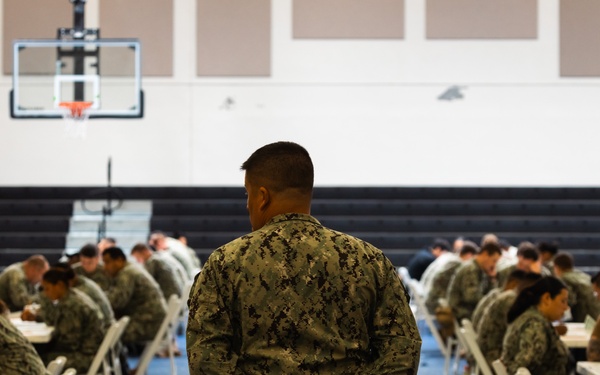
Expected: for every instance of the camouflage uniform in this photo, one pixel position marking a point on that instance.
(469, 285)
(135, 293)
(181, 275)
(296, 297)
(17, 355)
(532, 342)
(493, 325)
(15, 290)
(482, 305)
(581, 295)
(164, 276)
(98, 276)
(504, 273)
(78, 330)
(179, 251)
(439, 285)
(92, 290)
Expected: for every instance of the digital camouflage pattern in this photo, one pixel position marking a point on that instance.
(181, 275)
(493, 325)
(440, 283)
(98, 276)
(164, 275)
(482, 305)
(135, 293)
(17, 355)
(78, 330)
(15, 290)
(532, 342)
(92, 290)
(296, 297)
(581, 295)
(469, 285)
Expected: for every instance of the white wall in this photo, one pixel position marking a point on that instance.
(367, 111)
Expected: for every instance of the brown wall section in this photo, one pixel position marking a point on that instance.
(579, 38)
(481, 19)
(32, 19)
(341, 19)
(151, 21)
(233, 38)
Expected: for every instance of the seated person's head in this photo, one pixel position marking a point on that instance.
(548, 250)
(439, 246)
(468, 250)
(489, 238)
(105, 243)
(548, 295)
(141, 252)
(458, 244)
(88, 257)
(158, 240)
(519, 279)
(279, 179)
(563, 262)
(114, 260)
(488, 256)
(55, 284)
(527, 255)
(70, 275)
(34, 268)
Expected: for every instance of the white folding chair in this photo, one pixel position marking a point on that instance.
(470, 338)
(56, 366)
(70, 371)
(499, 367)
(101, 357)
(165, 333)
(115, 347)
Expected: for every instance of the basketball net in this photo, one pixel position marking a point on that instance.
(75, 118)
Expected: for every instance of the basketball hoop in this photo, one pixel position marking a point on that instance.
(75, 116)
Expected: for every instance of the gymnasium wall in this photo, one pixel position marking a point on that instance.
(381, 92)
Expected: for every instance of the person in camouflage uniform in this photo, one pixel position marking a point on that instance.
(531, 341)
(77, 321)
(581, 293)
(473, 280)
(493, 322)
(134, 293)
(17, 355)
(159, 269)
(90, 267)
(528, 260)
(18, 282)
(294, 296)
(178, 250)
(441, 280)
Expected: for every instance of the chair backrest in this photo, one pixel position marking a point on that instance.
(163, 333)
(56, 366)
(103, 350)
(499, 367)
(115, 345)
(70, 371)
(471, 340)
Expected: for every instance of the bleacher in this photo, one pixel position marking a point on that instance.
(398, 220)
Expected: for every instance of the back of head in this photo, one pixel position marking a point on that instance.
(548, 247)
(440, 243)
(532, 295)
(489, 238)
(281, 166)
(490, 248)
(529, 279)
(528, 250)
(56, 275)
(564, 261)
(504, 245)
(89, 250)
(469, 247)
(140, 248)
(66, 268)
(114, 253)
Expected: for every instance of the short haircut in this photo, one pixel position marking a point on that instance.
(37, 261)
(54, 276)
(110, 240)
(89, 250)
(139, 247)
(66, 268)
(441, 243)
(516, 275)
(114, 253)
(528, 250)
(548, 247)
(281, 166)
(563, 261)
(489, 237)
(490, 248)
(469, 247)
(504, 244)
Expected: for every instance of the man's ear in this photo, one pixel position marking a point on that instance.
(265, 198)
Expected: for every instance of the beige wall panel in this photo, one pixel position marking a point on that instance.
(151, 21)
(31, 19)
(233, 38)
(579, 38)
(356, 19)
(481, 19)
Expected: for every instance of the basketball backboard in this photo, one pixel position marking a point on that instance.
(48, 72)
